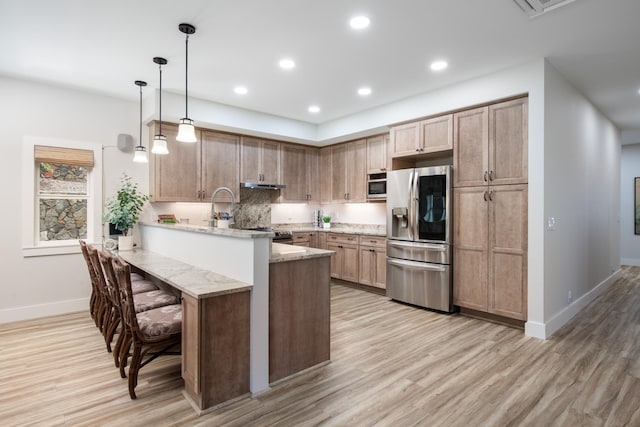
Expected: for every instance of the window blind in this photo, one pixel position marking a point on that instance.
(68, 156)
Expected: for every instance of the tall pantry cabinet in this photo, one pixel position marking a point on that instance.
(490, 209)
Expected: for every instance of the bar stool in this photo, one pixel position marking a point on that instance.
(152, 332)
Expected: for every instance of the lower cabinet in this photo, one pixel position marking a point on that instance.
(490, 250)
(305, 238)
(372, 259)
(344, 264)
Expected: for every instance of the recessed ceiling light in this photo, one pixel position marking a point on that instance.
(364, 91)
(314, 109)
(359, 22)
(287, 64)
(439, 65)
(240, 90)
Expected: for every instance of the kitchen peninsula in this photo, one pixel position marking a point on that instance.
(282, 298)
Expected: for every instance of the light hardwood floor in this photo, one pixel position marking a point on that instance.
(392, 365)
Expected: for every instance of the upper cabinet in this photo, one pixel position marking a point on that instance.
(348, 172)
(260, 161)
(299, 172)
(192, 171)
(427, 136)
(491, 145)
(377, 153)
(325, 168)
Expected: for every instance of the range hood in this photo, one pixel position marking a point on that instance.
(262, 185)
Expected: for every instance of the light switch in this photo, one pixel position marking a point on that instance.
(551, 223)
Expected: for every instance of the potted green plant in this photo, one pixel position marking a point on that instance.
(124, 209)
(326, 221)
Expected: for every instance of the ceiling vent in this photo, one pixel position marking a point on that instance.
(535, 8)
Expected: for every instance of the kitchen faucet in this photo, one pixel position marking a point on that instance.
(213, 198)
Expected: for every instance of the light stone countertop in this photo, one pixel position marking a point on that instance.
(282, 253)
(193, 281)
(342, 229)
(230, 232)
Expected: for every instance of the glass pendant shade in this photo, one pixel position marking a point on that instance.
(140, 155)
(186, 131)
(160, 145)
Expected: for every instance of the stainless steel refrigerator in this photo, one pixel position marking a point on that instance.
(419, 237)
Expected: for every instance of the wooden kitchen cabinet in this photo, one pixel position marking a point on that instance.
(305, 238)
(490, 250)
(344, 264)
(322, 240)
(191, 172)
(348, 172)
(427, 136)
(325, 179)
(377, 154)
(491, 145)
(259, 160)
(299, 172)
(372, 268)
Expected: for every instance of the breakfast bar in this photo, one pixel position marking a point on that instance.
(253, 312)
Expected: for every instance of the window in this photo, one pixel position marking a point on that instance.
(64, 198)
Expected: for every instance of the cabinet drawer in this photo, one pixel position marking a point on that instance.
(376, 241)
(342, 238)
(301, 236)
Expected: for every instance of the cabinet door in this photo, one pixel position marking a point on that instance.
(322, 240)
(176, 176)
(508, 147)
(313, 239)
(357, 171)
(220, 160)
(470, 147)
(405, 139)
(326, 175)
(294, 173)
(380, 268)
(508, 251)
(270, 162)
(250, 167)
(366, 260)
(470, 250)
(313, 175)
(436, 134)
(338, 173)
(336, 259)
(376, 154)
(350, 263)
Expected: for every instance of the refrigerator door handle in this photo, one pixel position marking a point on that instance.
(410, 216)
(428, 246)
(416, 265)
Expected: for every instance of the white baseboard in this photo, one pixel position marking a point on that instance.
(557, 321)
(535, 330)
(43, 310)
(631, 261)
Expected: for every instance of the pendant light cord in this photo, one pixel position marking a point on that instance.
(140, 137)
(186, 76)
(160, 127)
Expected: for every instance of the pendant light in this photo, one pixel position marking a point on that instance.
(140, 155)
(186, 130)
(159, 140)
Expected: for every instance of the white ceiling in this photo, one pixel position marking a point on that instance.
(103, 46)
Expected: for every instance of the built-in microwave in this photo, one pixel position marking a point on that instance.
(377, 186)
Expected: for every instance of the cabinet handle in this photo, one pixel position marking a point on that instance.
(485, 196)
(417, 149)
(383, 169)
(491, 195)
(490, 175)
(485, 176)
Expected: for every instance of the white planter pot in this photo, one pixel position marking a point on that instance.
(326, 225)
(125, 243)
(223, 223)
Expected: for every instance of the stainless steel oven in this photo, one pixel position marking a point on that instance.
(419, 237)
(377, 186)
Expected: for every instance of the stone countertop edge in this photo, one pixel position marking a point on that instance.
(339, 230)
(193, 281)
(283, 253)
(230, 232)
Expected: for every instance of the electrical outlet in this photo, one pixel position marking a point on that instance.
(569, 297)
(551, 223)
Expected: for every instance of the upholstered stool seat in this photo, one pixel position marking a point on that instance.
(154, 299)
(135, 277)
(161, 321)
(140, 286)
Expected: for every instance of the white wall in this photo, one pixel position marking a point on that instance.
(581, 191)
(629, 169)
(40, 286)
